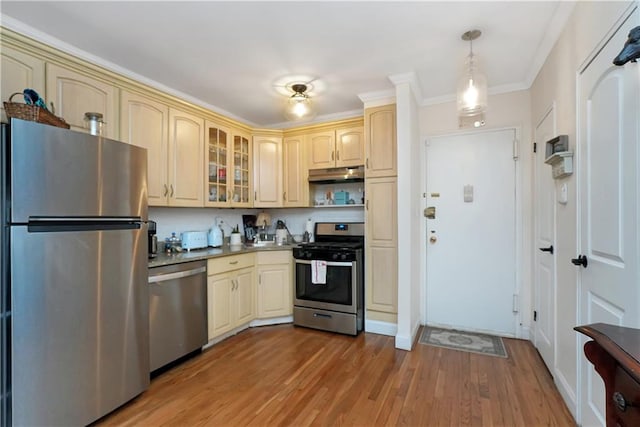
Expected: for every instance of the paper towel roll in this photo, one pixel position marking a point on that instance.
(309, 229)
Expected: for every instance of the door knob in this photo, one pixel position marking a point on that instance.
(549, 249)
(581, 260)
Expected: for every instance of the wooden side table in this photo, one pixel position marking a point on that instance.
(615, 354)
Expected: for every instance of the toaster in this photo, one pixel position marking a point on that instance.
(193, 240)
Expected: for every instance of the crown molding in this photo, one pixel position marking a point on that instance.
(378, 98)
(556, 24)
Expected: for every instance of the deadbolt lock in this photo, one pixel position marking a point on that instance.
(430, 212)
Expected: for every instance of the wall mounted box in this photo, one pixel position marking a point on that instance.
(556, 145)
(559, 157)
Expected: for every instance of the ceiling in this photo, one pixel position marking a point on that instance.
(236, 57)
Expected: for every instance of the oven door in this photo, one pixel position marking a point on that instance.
(337, 294)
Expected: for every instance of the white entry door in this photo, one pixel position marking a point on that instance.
(545, 270)
(471, 256)
(609, 126)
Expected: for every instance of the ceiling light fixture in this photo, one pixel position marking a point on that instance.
(472, 88)
(299, 105)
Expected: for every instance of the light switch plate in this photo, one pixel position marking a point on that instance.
(468, 193)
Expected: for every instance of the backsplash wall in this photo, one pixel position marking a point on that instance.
(188, 219)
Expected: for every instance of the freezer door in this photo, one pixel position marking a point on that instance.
(58, 172)
(80, 323)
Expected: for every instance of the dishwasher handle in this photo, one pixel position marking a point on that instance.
(176, 275)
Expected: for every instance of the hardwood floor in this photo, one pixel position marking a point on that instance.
(290, 376)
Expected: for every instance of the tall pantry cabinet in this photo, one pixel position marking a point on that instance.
(381, 250)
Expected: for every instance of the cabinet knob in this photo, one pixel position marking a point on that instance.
(171, 195)
(166, 190)
(284, 196)
(620, 401)
(338, 155)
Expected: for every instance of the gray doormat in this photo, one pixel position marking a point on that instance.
(463, 341)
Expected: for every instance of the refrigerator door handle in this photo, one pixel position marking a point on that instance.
(59, 224)
(58, 219)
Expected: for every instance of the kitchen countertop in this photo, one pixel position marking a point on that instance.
(197, 254)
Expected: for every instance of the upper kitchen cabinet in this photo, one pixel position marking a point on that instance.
(74, 94)
(322, 150)
(336, 148)
(217, 157)
(186, 159)
(241, 161)
(350, 147)
(19, 71)
(145, 122)
(267, 175)
(228, 162)
(295, 172)
(380, 141)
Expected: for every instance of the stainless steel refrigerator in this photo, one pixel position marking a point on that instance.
(75, 316)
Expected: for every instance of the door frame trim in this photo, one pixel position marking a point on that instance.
(552, 109)
(520, 331)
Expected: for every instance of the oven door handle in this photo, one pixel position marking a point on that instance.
(329, 263)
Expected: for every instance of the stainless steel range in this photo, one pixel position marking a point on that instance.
(329, 278)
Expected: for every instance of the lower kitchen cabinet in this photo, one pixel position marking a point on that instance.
(275, 282)
(230, 293)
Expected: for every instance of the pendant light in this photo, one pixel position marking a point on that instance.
(299, 105)
(472, 86)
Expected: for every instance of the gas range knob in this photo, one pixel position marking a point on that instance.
(308, 255)
(343, 257)
(334, 256)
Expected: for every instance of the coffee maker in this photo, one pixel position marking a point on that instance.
(153, 239)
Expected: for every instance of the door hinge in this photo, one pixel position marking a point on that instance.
(535, 147)
(535, 316)
(515, 149)
(516, 304)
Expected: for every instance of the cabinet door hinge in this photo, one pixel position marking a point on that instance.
(535, 316)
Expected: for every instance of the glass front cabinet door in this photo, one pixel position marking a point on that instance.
(218, 139)
(241, 170)
(228, 163)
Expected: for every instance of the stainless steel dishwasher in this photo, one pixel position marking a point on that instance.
(177, 311)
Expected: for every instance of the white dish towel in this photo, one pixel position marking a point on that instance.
(319, 272)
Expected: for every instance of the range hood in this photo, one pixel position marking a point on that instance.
(328, 176)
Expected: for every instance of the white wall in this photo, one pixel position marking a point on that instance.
(556, 82)
(510, 110)
(186, 219)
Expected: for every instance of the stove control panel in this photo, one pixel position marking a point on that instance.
(324, 255)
